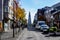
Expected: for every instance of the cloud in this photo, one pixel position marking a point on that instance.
(36, 1)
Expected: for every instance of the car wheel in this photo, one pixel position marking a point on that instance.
(54, 33)
(46, 32)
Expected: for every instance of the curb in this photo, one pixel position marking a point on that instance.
(20, 35)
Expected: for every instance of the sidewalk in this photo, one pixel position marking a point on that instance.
(22, 34)
(9, 35)
(28, 35)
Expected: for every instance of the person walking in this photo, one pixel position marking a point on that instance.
(19, 25)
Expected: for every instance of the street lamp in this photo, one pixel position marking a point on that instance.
(13, 27)
(13, 20)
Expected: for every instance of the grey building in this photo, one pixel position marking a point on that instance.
(1, 18)
(5, 15)
(5, 10)
(29, 21)
(0, 10)
(57, 6)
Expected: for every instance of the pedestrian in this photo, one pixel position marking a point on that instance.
(6, 27)
(14, 27)
(18, 24)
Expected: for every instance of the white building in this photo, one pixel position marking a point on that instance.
(10, 15)
(12, 6)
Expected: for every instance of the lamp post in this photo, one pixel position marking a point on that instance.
(13, 28)
(13, 20)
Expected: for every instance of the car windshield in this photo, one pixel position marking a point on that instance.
(41, 23)
(44, 25)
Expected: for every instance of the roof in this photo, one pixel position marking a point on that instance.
(56, 5)
(56, 12)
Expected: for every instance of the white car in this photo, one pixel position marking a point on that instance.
(39, 23)
(44, 27)
(37, 26)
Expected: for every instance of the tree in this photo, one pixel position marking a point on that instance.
(20, 13)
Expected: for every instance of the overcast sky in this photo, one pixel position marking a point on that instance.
(33, 5)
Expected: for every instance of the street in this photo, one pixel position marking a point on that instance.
(28, 34)
(36, 35)
(29, 20)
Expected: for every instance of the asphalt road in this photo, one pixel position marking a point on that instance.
(36, 35)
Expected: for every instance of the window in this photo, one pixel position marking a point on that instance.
(59, 16)
(58, 7)
(6, 8)
(11, 3)
(39, 13)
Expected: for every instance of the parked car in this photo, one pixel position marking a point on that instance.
(39, 23)
(37, 26)
(44, 28)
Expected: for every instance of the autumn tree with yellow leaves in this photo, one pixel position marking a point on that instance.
(20, 13)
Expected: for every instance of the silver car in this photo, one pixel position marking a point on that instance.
(44, 27)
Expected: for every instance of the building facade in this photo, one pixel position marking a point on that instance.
(40, 15)
(56, 16)
(57, 6)
(29, 20)
(5, 15)
(48, 14)
(12, 11)
(1, 16)
(10, 15)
